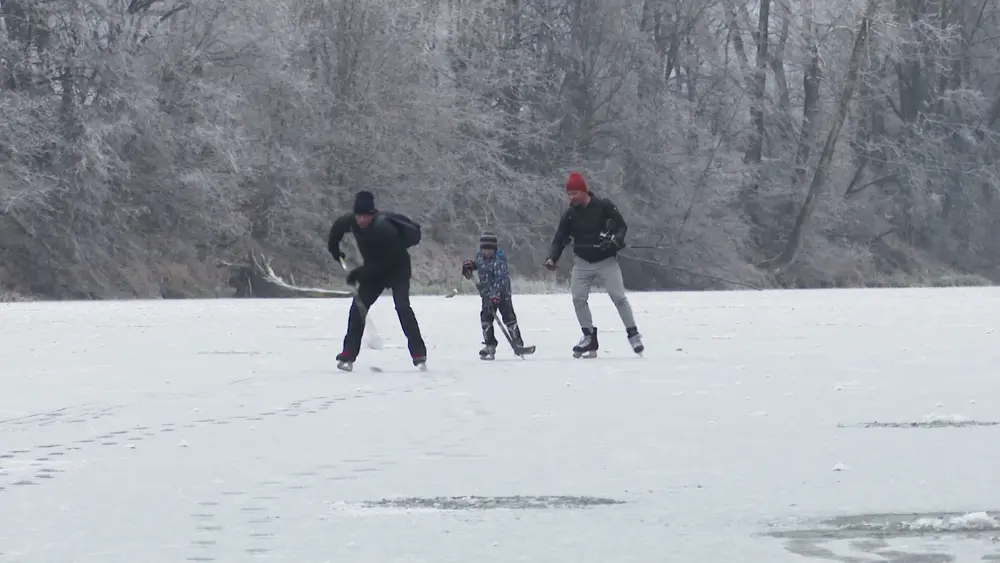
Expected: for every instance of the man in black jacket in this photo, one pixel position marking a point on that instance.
(597, 231)
(386, 265)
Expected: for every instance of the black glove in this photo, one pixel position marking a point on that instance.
(467, 268)
(356, 275)
(337, 254)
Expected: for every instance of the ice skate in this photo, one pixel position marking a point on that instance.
(420, 362)
(489, 352)
(345, 362)
(635, 340)
(588, 345)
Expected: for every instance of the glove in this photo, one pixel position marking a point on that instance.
(608, 242)
(467, 267)
(355, 275)
(549, 264)
(338, 255)
(494, 303)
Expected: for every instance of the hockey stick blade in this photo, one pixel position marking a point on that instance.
(519, 351)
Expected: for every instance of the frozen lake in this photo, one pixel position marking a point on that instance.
(760, 427)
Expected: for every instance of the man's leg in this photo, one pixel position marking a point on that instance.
(610, 274)
(581, 280)
(367, 294)
(611, 278)
(408, 320)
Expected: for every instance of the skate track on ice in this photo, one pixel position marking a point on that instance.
(761, 427)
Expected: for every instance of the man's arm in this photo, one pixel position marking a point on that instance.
(341, 226)
(561, 238)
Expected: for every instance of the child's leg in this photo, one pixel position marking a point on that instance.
(506, 309)
(486, 321)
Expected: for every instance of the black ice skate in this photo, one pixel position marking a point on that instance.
(420, 362)
(588, 345)
(635, 340)
(345, 362)
(489, 352)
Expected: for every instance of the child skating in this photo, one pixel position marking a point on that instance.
(495, 290)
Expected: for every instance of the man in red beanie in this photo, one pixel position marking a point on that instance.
(597, 231)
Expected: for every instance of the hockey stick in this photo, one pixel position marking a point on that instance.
(519, 351)
(633, 247)
(374, 342)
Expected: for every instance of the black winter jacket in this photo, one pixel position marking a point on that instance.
(584, 225)
(386, 259)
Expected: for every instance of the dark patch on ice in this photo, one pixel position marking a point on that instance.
(923, 424)
(487, 503)
(925, 537)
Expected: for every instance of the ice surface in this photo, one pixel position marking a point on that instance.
(760, 427)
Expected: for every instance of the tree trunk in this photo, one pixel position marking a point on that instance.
(255, 278)
(822, 172)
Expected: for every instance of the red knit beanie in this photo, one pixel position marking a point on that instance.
(575, 183)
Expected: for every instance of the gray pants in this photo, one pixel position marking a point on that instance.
(585, 275)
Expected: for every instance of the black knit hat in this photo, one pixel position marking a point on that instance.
(364, 203)
(488, 240)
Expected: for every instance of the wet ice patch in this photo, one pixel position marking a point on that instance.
(929, 421)
(918, 538)
(490, 503)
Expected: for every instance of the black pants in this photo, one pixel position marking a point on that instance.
(506, 310)
(368, 293)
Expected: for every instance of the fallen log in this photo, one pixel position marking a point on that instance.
(255, 278)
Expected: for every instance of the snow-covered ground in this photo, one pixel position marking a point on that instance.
(759, 427)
